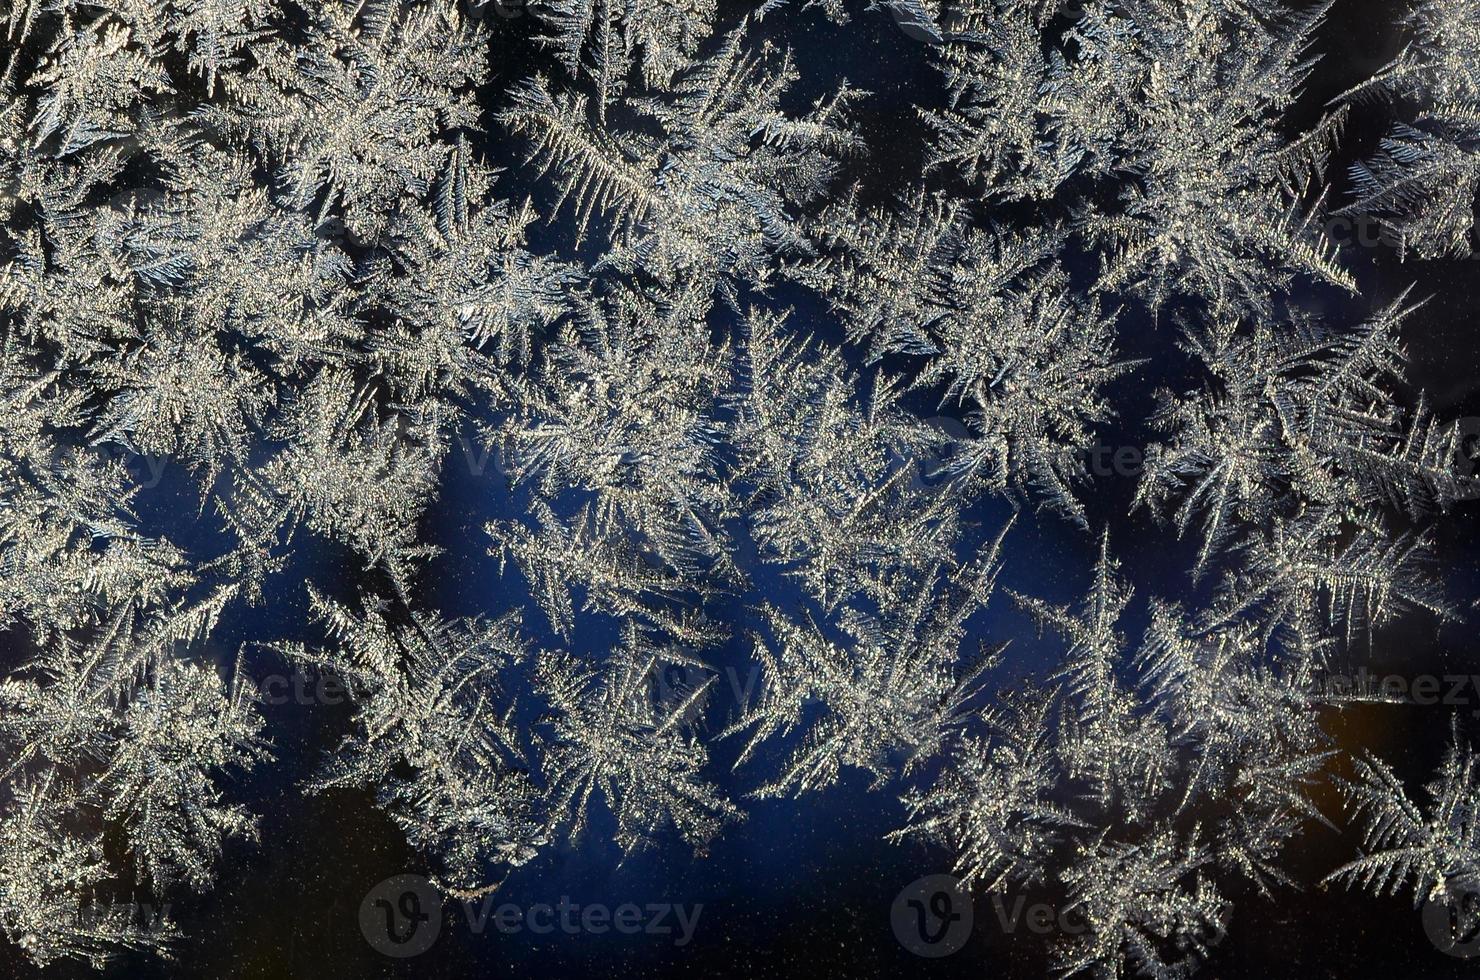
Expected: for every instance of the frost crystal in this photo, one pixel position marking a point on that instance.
(549, 358)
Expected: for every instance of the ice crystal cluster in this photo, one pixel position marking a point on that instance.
(267, 245)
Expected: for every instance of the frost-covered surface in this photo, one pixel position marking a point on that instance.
(262, 243)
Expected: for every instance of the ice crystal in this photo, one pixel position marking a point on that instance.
(612, 740)
(272, 272)
(434, 736)
(1433, 850)
(1421, 183)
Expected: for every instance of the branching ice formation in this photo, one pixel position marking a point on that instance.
(267, 247)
